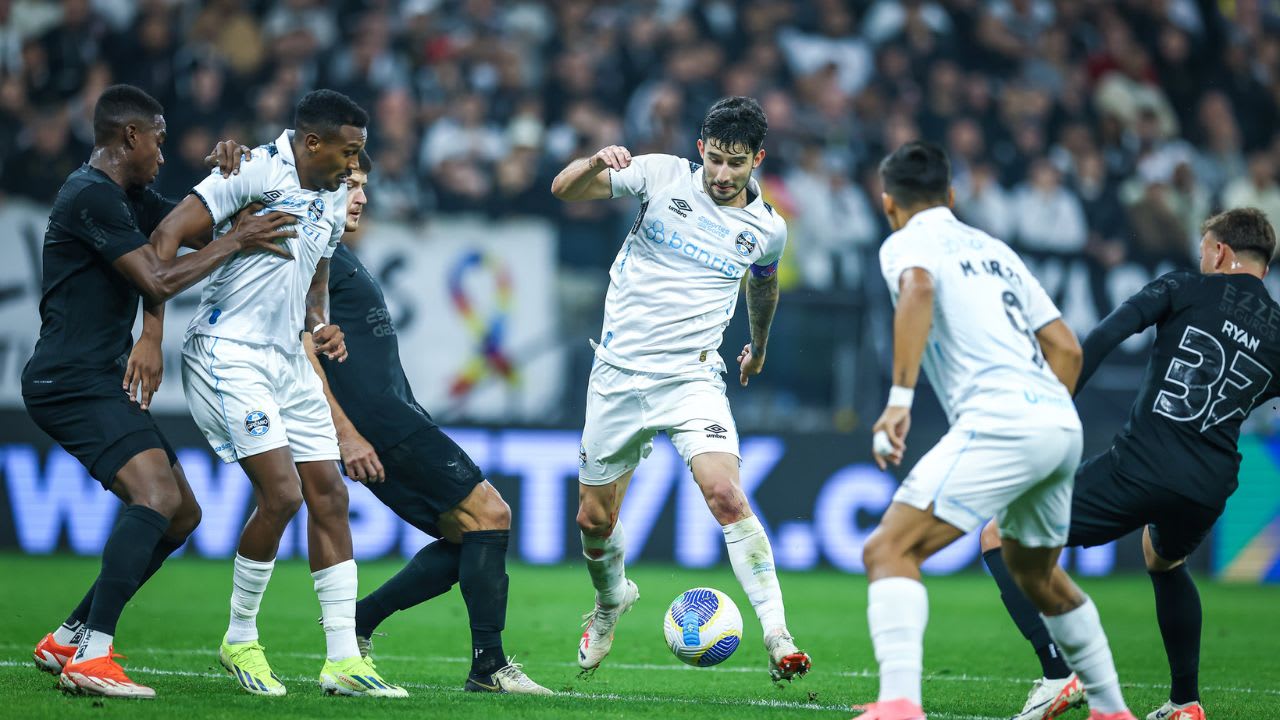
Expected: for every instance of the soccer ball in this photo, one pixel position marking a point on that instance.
(703, 627)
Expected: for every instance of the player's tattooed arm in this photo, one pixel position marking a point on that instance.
(328, 338)
(762, 303)
(358, 456)
(583, 178)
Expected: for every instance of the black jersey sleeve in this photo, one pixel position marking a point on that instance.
(1146, 308)
(152, 208)
(103, 221)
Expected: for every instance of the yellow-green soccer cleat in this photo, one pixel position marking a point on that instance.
(356, 676)
(248, 663)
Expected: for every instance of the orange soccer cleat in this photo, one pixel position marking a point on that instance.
(102, 676)
(51, 656)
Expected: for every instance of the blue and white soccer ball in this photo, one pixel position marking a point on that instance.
(703, 627)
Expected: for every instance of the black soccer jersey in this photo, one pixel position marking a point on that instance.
(370, 386)
(1216, 357)
(87, 308)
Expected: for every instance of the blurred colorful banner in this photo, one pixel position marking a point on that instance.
(1246, 544)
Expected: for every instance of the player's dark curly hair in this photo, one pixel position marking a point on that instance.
(1244, 230)
(120, 105)
(916, 174)
(735, 124)
(366, 162)
(324, 112)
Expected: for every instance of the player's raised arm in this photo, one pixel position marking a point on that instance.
(583, 178)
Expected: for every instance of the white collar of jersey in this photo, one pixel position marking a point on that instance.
(939, 212)
(284, 147)
(755, 207)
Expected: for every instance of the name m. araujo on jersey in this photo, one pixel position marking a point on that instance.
(675, 282)
(260, 298)
(983, 357)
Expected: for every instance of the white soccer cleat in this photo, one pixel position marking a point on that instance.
(597, 640)
(1049, 699)
(1169, 711)
(509, 678)
(786, 661)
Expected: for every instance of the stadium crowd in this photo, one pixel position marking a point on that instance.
(1108, 128)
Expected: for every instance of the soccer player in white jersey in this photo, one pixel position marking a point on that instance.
(253, 393)
(673, 289)
(1003, 364)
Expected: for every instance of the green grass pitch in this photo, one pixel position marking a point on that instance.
(977, 667)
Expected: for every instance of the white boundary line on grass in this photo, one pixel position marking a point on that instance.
(647, 699)
(937, 677)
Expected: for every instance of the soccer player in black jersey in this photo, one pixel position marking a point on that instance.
(1175, 463)
(390, 443)
(88, 386)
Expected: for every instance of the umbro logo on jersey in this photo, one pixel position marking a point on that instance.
(717, 432)
(680, 207)
(269, 197)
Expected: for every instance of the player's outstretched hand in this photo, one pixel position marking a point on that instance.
(614, 157)
(227, 156)
(329, 342)
(145, 370)
(749, 364)
(359, 458)
(263, 233)
(889, 435)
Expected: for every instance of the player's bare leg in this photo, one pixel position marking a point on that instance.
(752, 558)
(153, 497)
(1058, 690)
(1073, 620)
(898, 607)
(333, 568)
(1181, 618)
(603, 547)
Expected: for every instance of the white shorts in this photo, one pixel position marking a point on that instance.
(248, 399)
(1023, 477)
(626, 408)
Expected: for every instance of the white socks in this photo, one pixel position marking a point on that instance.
(897, 611)
(752, 560)
(336, 589)
(94, 644)
(1084, 646)
(69, 634)
(605, 563)
(249, 582)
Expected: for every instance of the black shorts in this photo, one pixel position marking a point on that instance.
(1107, 505)
(427, 475)
(102, 431)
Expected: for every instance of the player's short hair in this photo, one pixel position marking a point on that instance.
(736, 123)
(118, 106)
(324, 112)
(366, 162)
(1244, 230)
(918, 173)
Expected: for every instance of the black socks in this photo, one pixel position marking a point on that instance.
(1026, 617)
(429, 573)
(1179, 614)
(482, 575)
(125, 560)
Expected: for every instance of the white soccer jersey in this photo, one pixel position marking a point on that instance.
(674, 285)
(260, 298)
(982, 356)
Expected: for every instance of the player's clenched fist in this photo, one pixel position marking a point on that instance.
(614, 157)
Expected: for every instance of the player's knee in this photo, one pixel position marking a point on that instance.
(186, 519)
(878, 551)
(990, 537)
(726, 501)
(594, 521)
(332, 504)
(164, 498)
(496, 514)
(280, 505)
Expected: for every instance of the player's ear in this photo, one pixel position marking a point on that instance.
(758, 159)
(702, 150)
(886, 200)
(130, 132)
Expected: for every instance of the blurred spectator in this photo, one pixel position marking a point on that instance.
(1256, 189)
(1046, 215)
(39, 167)
(833, 224)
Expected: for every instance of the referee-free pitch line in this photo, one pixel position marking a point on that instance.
(611, 697)
(948, 677)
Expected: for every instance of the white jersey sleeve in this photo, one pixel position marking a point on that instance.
(647, 173)
(224, 197)
(902, 252)
(767, 265)
(339, 214)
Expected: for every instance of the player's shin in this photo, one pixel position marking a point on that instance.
(1180, 616)
(1026, 617)
(1083, 642)
(752, 558)
(336, 589)
(124, 563)
(605, 564)
(249, 582)
(428, 574)
(897, 613)
(482, 576)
